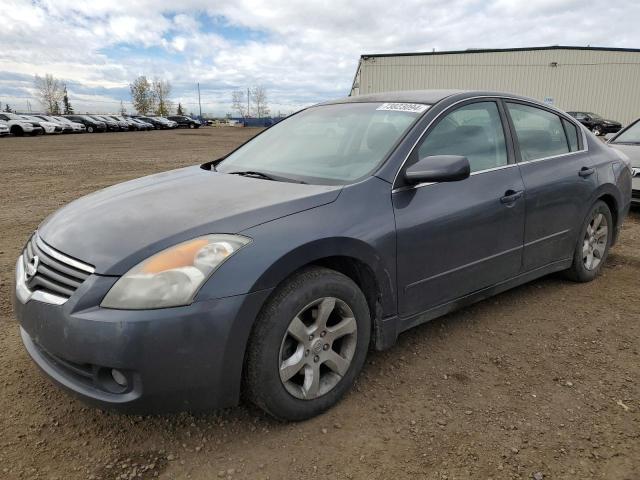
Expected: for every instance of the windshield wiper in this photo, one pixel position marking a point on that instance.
(264, 176)
(252, 173)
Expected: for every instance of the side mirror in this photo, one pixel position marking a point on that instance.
(439, 168)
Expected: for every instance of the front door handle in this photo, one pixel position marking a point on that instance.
(586, 171)
(511, 196)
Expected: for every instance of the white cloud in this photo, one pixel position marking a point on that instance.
(302, 51)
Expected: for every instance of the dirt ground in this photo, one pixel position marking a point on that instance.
(540, 382)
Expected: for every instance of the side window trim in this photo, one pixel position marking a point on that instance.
(582, 145)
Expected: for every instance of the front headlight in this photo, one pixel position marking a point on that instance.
(172, 277)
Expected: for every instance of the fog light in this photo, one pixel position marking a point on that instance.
(119, 378)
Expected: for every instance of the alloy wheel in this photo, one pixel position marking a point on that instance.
(317, 348)
(595, 241)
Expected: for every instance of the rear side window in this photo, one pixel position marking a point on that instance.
(540, 133)
(473, 131)
(572, 135)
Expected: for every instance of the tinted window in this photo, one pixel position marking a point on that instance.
(540, 133)
(572, 135)
(473, 131)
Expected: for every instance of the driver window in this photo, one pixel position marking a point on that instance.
(473, 131)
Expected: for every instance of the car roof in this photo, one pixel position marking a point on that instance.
(429, 97)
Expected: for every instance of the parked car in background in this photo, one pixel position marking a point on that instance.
(273, 270)
(66, 128)
(124, 125)
(127, 122)
(595, 123)
(628, 142)
(112, 125)
(184, 121)
(18, 126)
(76, 126)
(91, 124)
(4, 128)
(49, 128)
(143, 125)
(157, 122)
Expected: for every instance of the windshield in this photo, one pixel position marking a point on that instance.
(630, 135)
(594, 116)
(330, 144)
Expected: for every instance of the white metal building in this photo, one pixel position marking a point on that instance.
(600, 80)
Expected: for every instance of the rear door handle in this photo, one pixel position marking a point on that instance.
(586, 171)
(511, 196)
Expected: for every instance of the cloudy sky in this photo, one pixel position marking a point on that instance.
(301, 51)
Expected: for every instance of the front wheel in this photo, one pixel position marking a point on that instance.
(593, 244)
(308, 345)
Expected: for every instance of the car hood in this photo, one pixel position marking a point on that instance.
(631, 151)
(115, 228)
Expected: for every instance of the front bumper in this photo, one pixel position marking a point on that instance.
(184, 358)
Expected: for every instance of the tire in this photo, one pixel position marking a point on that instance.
(296, 299)
(90, 129)
(581, 270)
(191, 125)
(17, 131)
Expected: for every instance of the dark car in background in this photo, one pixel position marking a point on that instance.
(273, 270)
(157, 122)
(184, 121)
(112, 125)
(92, 125)
(595, 123)
(628, 142)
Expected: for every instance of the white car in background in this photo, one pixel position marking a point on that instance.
(77, 127)
(18, 126)
(4, 128)
(48, 127)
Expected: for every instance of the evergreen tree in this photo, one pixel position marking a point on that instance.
(67, 108)
(180, 111)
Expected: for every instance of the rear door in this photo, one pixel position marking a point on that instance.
(454, 238)
(559, 178)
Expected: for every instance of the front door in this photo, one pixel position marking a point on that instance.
(454, 238)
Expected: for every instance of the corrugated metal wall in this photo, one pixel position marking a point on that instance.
(600, 81)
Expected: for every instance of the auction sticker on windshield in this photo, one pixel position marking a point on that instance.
(403, 107)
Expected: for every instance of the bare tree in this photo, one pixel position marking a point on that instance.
(142, 95)
(161, 92)
(123, 110)
(238, 103)
(260, 102)
(49, 92)
(7, 108)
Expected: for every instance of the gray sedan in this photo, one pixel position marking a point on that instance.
(272, 271)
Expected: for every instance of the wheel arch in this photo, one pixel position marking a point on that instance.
(353, 258)
(610, 195)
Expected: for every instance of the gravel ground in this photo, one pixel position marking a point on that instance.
(540, 382)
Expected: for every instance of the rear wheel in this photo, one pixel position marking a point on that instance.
(308, 345)
(90, 129)
(593, 244)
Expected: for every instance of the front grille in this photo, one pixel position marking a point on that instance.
(55, 273)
